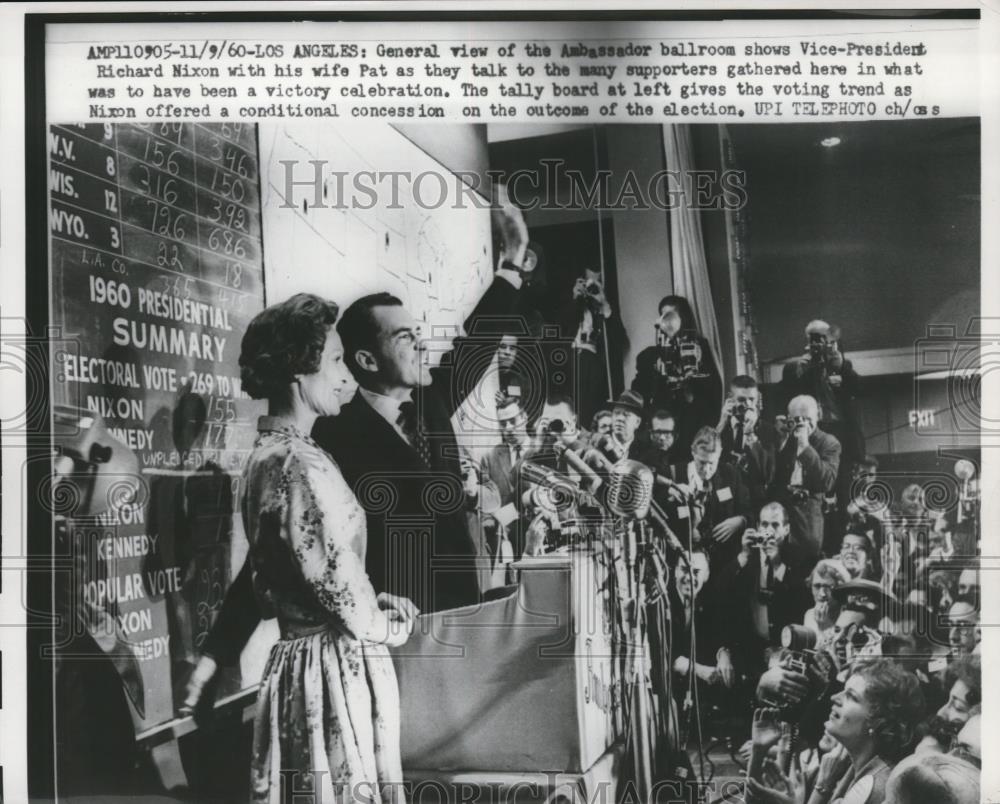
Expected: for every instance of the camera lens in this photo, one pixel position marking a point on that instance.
(556, 427)
(593, 288)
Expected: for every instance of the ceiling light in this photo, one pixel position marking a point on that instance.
(830, 142)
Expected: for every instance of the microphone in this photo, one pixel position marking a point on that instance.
(610, 448)
(578, 465)
(562, 489)
(574, 461)
(630, 489)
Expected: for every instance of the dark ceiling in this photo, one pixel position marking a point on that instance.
(875, 234)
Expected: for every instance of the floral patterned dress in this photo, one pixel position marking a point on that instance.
(328, 705)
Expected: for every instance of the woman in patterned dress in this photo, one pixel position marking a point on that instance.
(328, 706)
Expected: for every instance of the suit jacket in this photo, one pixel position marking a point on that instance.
(741, 587)
(495, 468)
(419, 540)
(419, 544)
(820, 464)
(727, 497)
(837, 404)
(756, 461)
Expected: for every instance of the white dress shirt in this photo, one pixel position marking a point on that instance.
(387, 407)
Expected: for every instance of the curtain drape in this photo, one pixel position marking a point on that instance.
(687, 247)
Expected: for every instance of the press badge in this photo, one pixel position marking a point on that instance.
(724, 494)
(683, 513)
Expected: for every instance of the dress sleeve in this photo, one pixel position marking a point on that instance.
(322, 519)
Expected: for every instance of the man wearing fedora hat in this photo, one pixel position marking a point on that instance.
(621, 442)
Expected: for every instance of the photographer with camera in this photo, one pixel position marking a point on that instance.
(679, 372)
(762, 593)
(556, 431)
(828, 377)
(598, 341)
(748, 442)
(806, 468)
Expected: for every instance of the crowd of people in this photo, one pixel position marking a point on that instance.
(837, 636)
(823, 611)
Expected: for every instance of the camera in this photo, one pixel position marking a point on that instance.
(740, 411)
(593, 288)
(819, 349)
(555, 427)
(801, 655)
(798, 493)
(690, 356)
(798, 638)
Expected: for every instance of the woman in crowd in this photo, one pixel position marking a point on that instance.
(694, 397)
(328, 705)
(874, 719)
(826, 576)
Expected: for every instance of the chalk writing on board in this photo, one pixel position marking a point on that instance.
(156, 269)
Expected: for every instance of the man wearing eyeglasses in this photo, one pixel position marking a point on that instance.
(660, 454)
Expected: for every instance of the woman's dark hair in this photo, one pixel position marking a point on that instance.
(896, 703)
(969, 671)
(283, 341)
(683, 308)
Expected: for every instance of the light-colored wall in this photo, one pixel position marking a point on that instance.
(642, 243)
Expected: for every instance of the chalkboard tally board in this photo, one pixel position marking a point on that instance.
(156, 269)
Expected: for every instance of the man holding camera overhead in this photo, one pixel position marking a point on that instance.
(806, 468)
(598, 338)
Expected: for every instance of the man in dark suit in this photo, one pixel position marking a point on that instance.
(709, 497)
(806, 468)
(397, 432)
(828, 377)
(497, 463)
(660, 455)
(748, 442)
(394, 444)
(762, 592)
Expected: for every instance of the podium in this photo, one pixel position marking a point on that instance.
(522, 690)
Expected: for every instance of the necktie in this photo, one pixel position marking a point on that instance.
(761, 620)
(409, 422)
(698, 500)
(517, 453)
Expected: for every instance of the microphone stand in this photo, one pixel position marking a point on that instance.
(691, 694)
(640, 733)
